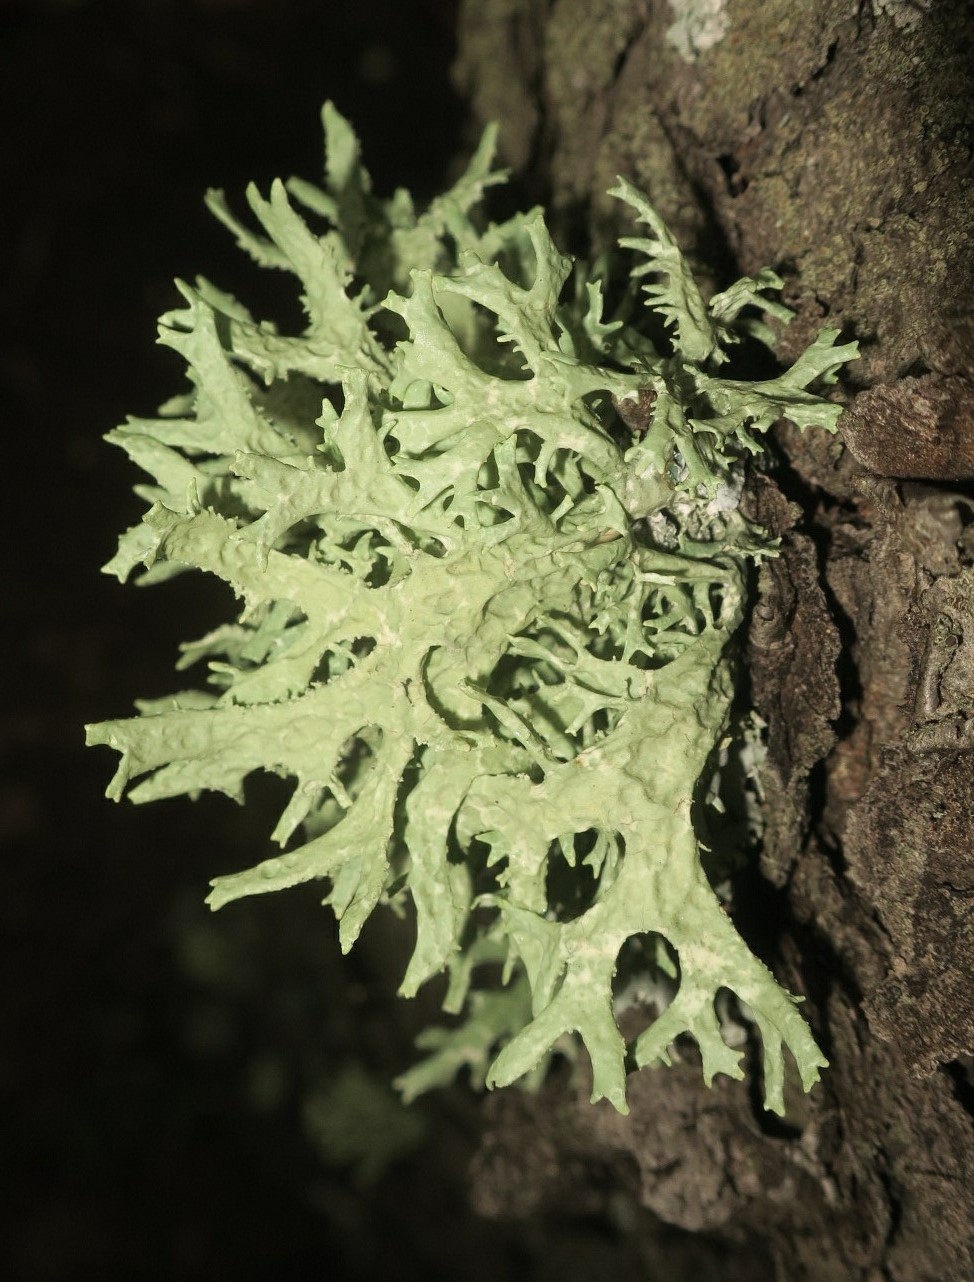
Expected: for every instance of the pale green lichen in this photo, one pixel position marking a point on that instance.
(907, 14)
(499, 690)
(699, 25)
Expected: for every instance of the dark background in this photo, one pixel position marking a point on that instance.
(156, 1062)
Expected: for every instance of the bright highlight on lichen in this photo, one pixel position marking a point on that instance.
(491, 568)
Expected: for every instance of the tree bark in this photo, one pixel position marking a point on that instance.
(833, 141)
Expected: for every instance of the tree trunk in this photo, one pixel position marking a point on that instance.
(832, 141)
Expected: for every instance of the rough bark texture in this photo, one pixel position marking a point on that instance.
(832, 141)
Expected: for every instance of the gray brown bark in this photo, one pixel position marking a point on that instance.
(835, 142)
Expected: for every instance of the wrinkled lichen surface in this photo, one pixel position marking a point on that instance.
(486, 629)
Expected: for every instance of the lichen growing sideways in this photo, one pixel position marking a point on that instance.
(481, 517)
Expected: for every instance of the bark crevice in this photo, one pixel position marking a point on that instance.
(834, 142)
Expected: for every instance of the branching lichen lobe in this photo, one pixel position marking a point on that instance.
(463, 634)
